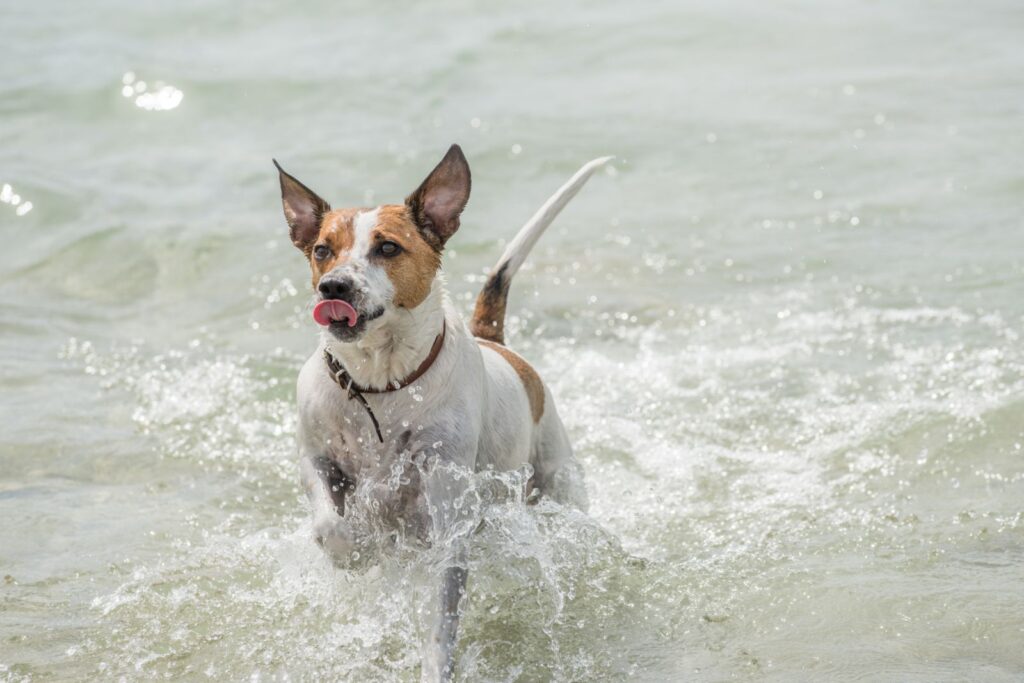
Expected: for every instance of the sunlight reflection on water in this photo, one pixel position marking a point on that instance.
(159, 97)
(9, 196)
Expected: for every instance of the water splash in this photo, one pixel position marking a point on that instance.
(715, 455)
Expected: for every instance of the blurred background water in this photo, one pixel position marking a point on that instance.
(784, 333)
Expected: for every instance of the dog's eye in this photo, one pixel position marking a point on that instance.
(389, 249)
(321, 251)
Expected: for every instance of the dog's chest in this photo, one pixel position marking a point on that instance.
(432, 417)
(343, 429)
(345, 434)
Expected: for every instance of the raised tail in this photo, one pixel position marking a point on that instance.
(489, 316)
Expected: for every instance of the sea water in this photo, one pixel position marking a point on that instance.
(783, 331)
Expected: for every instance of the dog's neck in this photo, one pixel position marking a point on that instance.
(391, 352)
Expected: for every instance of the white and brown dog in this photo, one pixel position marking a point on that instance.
(401, 401)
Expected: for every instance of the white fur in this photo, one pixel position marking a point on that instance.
(377, 283)
(520, 246)
(364, 223)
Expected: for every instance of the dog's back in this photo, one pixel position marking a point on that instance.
(521, 423)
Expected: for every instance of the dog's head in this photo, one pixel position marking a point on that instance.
(370, 263)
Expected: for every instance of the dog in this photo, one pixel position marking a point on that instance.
(402, 399)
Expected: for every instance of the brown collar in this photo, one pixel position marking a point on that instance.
(340, 375)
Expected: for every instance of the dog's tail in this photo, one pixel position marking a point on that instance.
(489, 316)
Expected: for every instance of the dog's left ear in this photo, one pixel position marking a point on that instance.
(439, 200)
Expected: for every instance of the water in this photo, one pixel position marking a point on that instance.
(784, 333)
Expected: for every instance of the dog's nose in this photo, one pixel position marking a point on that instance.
(336, 288)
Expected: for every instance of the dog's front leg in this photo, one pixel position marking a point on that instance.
(326, 487)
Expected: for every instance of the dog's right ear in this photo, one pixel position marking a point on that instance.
(303, 210)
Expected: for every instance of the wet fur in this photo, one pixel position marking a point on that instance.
(479, 405)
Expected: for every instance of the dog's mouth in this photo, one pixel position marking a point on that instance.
(342, 319)
(335, 312)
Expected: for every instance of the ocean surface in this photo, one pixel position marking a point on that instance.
(783, 330)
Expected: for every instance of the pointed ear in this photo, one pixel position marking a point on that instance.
(439, 200)
(303, 210)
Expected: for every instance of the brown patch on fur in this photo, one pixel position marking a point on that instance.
(411, 271)
(337, 231)
(488, 320)
(527, 375)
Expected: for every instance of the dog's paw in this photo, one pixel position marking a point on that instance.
(334, 536)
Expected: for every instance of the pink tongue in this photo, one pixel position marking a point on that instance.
(333, 311)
